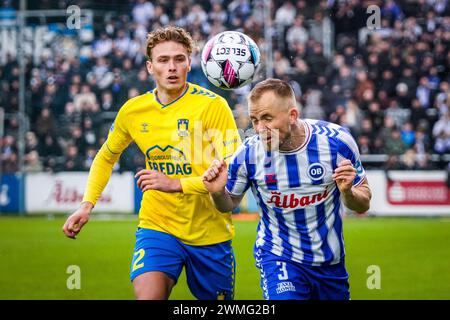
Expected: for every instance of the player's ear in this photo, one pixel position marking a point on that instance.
(149, 66)
(293, 115)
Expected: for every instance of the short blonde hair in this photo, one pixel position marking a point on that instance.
(280, 87)
(169, 33)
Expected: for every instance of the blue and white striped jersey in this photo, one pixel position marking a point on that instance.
(300, 205)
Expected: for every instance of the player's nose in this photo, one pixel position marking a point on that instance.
(172, 65)
(261, 128)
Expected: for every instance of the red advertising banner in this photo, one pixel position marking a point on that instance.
(418, 193)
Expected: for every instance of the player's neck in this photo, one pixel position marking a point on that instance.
(297, 138)
(168, 96)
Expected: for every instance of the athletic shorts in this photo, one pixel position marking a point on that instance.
(283, 279)
(210, 269)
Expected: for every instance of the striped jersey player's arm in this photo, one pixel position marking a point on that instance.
(102, 166)
(218, 117)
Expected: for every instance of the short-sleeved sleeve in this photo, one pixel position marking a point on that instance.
(238, 179)
(348, 149)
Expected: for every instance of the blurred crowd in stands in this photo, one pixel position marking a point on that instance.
(390, 86)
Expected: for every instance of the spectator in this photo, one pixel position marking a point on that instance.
(363, 84)
(313, 108)
(45, 124)
(281, 64)
(423, 92)
(418, 113)
(50, 147)
(424, 162)
(107, 101)
(441, 134)
(344, 80)
(73, 160)
(32, 162)
(217, 13)
(393, 163)
(399, 115)
(409, 160)
(422, 142)
(8, 147)
(143, 12)
(296, 34)
(364, 145)
(31, 142)
(10, 164)
(354, 116)
(394, 144)
(408, 134)
(103, 46)
(85, 98)
(285, 15)
(90, 155)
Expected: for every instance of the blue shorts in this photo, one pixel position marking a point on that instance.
(210, 269)
(283, 279)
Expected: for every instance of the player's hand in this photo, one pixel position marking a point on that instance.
(344, 175)
(216, 176)
(155, 180)
(77, 220)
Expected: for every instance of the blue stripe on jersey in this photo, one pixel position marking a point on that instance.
(313, 155)
(345, 151)
(337, 226)
(233, 172)
(250, 162)
(292, 170)
(269, 169)
(305, 240)
(283, 234)
(333, 152)
(265, 219)
(322, 229)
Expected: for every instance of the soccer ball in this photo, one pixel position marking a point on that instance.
(230, 60)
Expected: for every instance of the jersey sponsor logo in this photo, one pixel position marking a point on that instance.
(170, 168)
(144, 127)
(316, 171)
(285, 286)
(183, 127)
(168, 160)
(270, 178)
(291, 201)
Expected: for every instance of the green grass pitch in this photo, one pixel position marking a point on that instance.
(412, 254)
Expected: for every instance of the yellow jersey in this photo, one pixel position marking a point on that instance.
(179, 139)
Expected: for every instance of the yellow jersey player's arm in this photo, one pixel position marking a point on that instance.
(224, 136)
(102, 166)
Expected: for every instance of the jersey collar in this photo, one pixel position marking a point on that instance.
(170, 103)
(305, 143)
